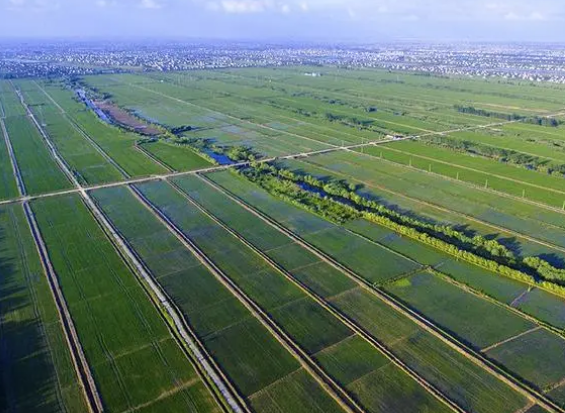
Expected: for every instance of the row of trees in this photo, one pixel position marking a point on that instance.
(204, 146)
(536, 120)
(340, 202)
(499, 154)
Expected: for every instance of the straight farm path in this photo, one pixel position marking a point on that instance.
(422, 322)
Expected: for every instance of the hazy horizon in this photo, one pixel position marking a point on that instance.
(358, 21)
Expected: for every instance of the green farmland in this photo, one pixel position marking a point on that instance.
(121, 332)
(290, 239)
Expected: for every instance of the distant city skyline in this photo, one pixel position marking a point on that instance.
(358, 21)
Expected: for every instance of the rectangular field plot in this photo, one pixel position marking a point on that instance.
(311, 326)
(437, 212)
(558, 394)
(37, 372)
(90, 165)
(494, 285)
(120, 146)
(134, 360)
(8, 188)
(177, 157)
(476, 321)
(524, 218)
(39, 170)
(443, 367)
(410, 248)
(117, 144)
(9, 102)
(544, 306)
(537, 357)
(372, 261)
(539, 187)
(249, 355)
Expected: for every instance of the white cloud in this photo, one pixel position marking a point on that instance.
(244, 6)
(150, 4)
(35, 6)
(253, 6)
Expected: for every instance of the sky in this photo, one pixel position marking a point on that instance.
(360, 21)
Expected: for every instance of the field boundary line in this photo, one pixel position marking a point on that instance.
(230, 116)
(274, 383)
(343, 318)
(170, 175)
(333, 389)
(443, 209)
(468, 184)
(526, 408)
(79, 361)
(414, 316)
(560, 383)
(509, 339)
(471, 290)
(15, 168)
(141, 149)
(516, 300)
(181, 387)
(505, 178)
(42, 326)
(204, 364)
(75, 126)
(121, 248)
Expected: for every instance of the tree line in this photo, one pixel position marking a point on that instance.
(340, 202)
(502, 155)
(536, 120)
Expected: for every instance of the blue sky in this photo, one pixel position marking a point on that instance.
(347, 20)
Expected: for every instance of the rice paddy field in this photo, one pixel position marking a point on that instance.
(122, 334)
(8, 188)
(37, 373)
(159, 280)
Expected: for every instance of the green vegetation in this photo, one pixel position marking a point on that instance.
(476, 321)
(464, 246)
(37, 372)
(425, 190)
(536, 356)
(222, 323)
(510, 156)
(119, 145)
(8, 188)
(535, 120)
(39, 171)
(437, 363)
(179, 159)
(133, 358)
(339, 201)
(86, 162)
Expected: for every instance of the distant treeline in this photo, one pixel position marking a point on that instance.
(536, 120)
(499, 154)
